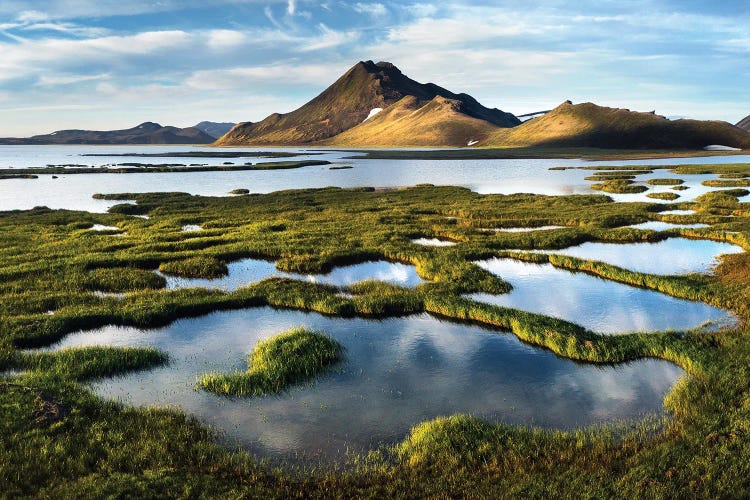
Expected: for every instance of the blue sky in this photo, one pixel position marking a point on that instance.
(103, 64)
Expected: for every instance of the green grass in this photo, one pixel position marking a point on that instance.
(726, 183)
(49, 262)
(275, 364)
(663, 196)
(665, 182)
(195, 267)
(619, 186)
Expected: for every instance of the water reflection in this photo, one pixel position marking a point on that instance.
(483, 176)
(594, 303)
(246, 271)
(433, 242)
(670, 256)
(525, 229)
(398, 372)
(656, 225)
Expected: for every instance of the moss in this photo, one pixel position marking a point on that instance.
(278, 363)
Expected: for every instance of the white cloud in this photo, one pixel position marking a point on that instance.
(52, 80)
(329, 38)
(220, 39)
(291, 7)
(243, 77)
(372, 9)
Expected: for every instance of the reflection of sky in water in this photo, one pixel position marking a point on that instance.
(594, 303)
(246, 271)
(433, 242)
(525, 229)
(670, 256)
(483, 176)
(398, 372)
(656, 225)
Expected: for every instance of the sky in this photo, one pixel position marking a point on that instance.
(109, 64)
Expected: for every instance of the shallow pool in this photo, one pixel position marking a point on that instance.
(600, 305)
(398, 372)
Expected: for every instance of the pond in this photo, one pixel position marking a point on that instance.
(670, 256)
(600, 305)
(398, 372)
(246, 271)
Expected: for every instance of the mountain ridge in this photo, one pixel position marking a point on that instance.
(145, 133)
(590, 125)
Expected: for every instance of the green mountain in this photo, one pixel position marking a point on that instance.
(348, 102)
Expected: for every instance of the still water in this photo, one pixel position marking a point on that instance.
(600, 305)
(670, 256)
(246, 271)
(398, 372)
(484, 176)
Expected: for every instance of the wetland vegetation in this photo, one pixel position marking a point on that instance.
(50, 263)
(288, 358)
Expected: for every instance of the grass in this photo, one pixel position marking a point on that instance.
(726, 183)
(195, 267)
(286, 359)
(49, 263)
(663, 196)
(619, 186)
(665, 182)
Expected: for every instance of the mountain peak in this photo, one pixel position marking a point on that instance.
(348, 102)
(149, 126)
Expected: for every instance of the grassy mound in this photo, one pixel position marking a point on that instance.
(277, 363)
(663, 196)
(620, 186)
(665, 182)
(195, 267)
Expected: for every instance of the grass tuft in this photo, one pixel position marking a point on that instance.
(278, 363)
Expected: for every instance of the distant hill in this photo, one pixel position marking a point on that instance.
(145, 133)
(215, 129)
(744, 124)
(408, 122)
(589, 125)
(348, 102)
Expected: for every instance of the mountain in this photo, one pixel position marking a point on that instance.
(408, 122)
(215, 129)
(348, 102)
(744, 124)
(145, 133)
(589, 125)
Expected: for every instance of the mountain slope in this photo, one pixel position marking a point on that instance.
(145, 133)
(346, 104)
(589, 125)
(439, 122)
(215, 129)
(744, 124)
